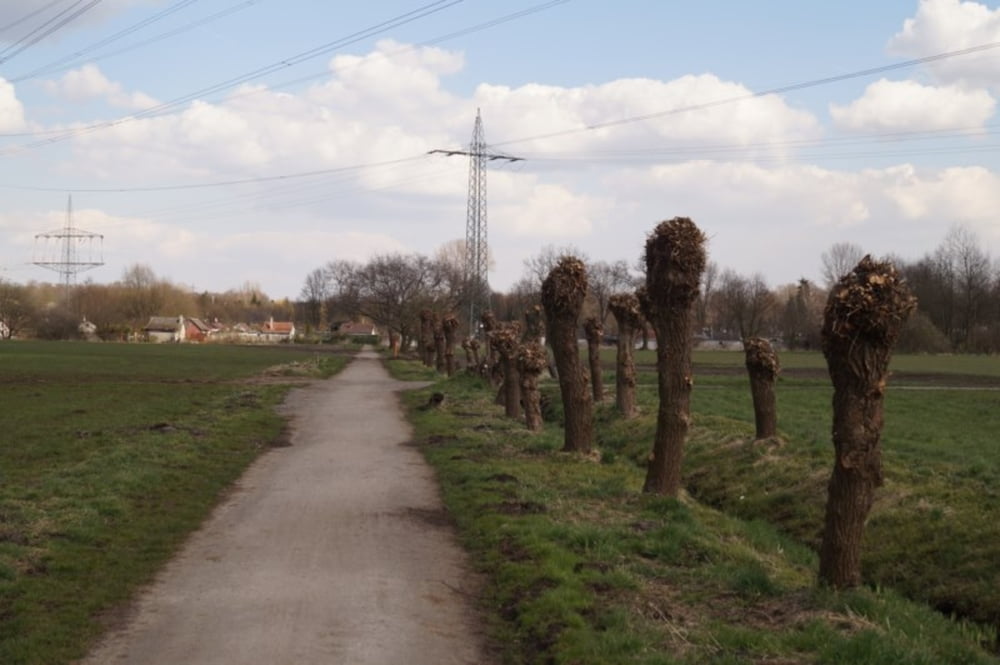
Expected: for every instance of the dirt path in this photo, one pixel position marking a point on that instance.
(333, 550)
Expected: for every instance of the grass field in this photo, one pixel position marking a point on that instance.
(109, 455)
(582, 568)
(933, 533)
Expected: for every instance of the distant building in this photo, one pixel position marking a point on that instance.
(165, 329)
(277, 331)
(357, 329)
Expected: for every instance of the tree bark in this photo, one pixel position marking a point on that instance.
(427, 337)
(563, 292)
(505, 341)
(625, 308)
(532, 360)
(593, 330)
(763, 368)
(440, 363)
(675, 259)
(491, 369)
(864, 314)
(450, 327)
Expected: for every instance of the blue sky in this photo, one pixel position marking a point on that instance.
(889, 161)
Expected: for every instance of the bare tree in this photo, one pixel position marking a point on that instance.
(314, 294)
(606, 279)
(864, 314)
(563, 292)
(744, 304)
(709, 281)
(16, 309)
(675, 259)
(625, 308)
(538, 267)
(839, 260)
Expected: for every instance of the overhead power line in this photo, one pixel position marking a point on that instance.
(395, 22)
(168, 108)
(30, 15)
(50, 26)
(51, 68)
(54, 66)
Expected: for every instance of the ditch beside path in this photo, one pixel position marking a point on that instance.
(332, 550)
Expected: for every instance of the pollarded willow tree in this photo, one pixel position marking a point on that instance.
(865, 312)
(532, 361)
(625, 308)
(675, 259)
(427, 337)
(594, 331)
(505, 341)
(563, 292)
(762, 366)
(449, 325)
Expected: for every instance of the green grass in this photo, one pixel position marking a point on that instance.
(582, 568)
(111, 454)
(932, 535)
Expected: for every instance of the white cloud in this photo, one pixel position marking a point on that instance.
(11, 109)
(534, 109)
(543, 210)
(969, 195)
(88, 83)
(907, 105)
(941, 26)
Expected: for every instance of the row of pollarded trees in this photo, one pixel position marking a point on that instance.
(862, 320)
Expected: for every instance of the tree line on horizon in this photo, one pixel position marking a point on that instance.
(957, 287)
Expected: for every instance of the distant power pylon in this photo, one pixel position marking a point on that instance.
(69, 250)
(476, 244)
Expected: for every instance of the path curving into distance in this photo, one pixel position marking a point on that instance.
(334, 550)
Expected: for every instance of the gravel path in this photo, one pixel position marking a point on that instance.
(333, 550)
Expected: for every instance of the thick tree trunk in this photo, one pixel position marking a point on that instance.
(394, 343)
(673, 418)
(450, 327)
(532, 360)
(505, 341)
(563, 292)
(469, 365)
(864, 314)
(675, 259)
(440, 363)
(625, 308)
(491, 367)
(594, 331)
(762, 366)
(426, 340)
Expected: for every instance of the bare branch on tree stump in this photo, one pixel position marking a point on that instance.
(762, 366)
(675, 259)
(563, 292)
(864, 315)
(533, 361)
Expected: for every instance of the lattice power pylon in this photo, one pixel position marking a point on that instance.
(69, 250)
(476, 235)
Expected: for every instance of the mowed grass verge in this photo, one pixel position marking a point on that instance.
(933, 533)
(580, 567)
(109, 455)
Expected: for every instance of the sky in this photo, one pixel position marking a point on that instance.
(226, 142)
